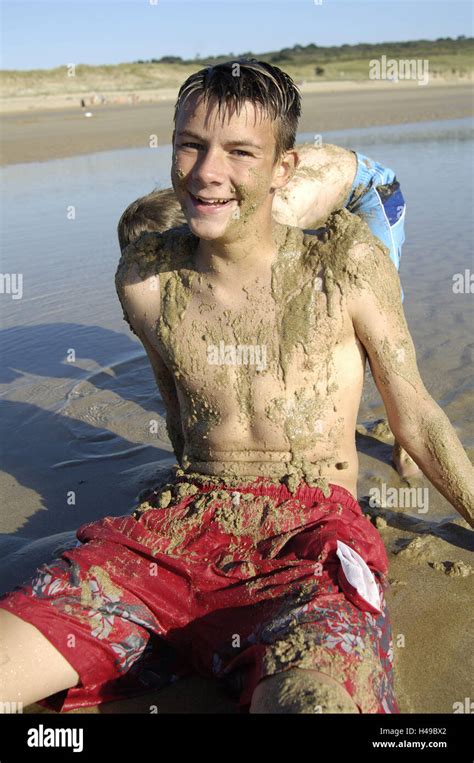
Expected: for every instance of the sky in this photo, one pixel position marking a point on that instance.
(39, 34)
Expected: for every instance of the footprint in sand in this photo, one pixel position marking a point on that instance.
(454, 569)
(428, 550)
(378, 429)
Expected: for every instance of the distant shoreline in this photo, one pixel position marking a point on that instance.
(10, 104)
(41, 133)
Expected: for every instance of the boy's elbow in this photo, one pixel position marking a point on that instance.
(408, 421)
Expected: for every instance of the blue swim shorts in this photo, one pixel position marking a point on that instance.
(376, 197)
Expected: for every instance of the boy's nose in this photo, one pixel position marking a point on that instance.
(209, 168)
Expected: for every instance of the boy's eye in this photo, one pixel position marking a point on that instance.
(190, 144)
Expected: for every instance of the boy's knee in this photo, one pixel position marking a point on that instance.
(303, 692)
(31, 668)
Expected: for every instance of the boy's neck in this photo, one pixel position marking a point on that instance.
(242, 255)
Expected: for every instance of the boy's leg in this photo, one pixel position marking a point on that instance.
(30, 666)
(301, 691)
(102, 603)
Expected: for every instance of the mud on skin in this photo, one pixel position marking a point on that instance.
(300, 259)
(332, 255)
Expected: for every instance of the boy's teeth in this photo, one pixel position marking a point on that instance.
(214, 201)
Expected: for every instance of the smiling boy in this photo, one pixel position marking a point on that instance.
(256, 561)
(327, 178)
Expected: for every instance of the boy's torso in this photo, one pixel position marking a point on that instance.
(268, 372)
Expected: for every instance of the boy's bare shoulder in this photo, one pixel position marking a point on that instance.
(155, 253)
(345, 241)
(342, 228)
(345, 252)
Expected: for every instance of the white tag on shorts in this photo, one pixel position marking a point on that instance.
(358, 574)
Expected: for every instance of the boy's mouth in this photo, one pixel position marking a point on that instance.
(210, 204)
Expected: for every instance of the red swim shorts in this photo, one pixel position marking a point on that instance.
(234, 583)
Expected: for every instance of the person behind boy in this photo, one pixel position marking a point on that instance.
(257, 557)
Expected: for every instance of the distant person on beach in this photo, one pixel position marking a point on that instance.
(255, 564)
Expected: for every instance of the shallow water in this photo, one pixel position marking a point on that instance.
(82, 426)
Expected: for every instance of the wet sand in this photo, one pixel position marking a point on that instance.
(42, 135)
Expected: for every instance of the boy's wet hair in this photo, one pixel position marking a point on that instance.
(247, 79)
(158, 211)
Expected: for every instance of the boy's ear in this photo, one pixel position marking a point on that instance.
(285, 168)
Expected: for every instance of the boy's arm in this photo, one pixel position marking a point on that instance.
(140, 304)
(329, 178)
(169, 395)
(417, 421)
(320, 184)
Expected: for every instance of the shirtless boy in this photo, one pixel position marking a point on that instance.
(258, 336)
(327, 178)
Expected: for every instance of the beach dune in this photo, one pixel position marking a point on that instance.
(39, 135)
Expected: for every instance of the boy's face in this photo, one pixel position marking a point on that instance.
(230, 158)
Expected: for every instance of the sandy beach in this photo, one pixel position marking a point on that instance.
(97, 412)
(38, 134)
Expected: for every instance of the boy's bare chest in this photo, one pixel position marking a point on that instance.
(207, 333)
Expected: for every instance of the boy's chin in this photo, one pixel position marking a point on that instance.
(210, 230)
